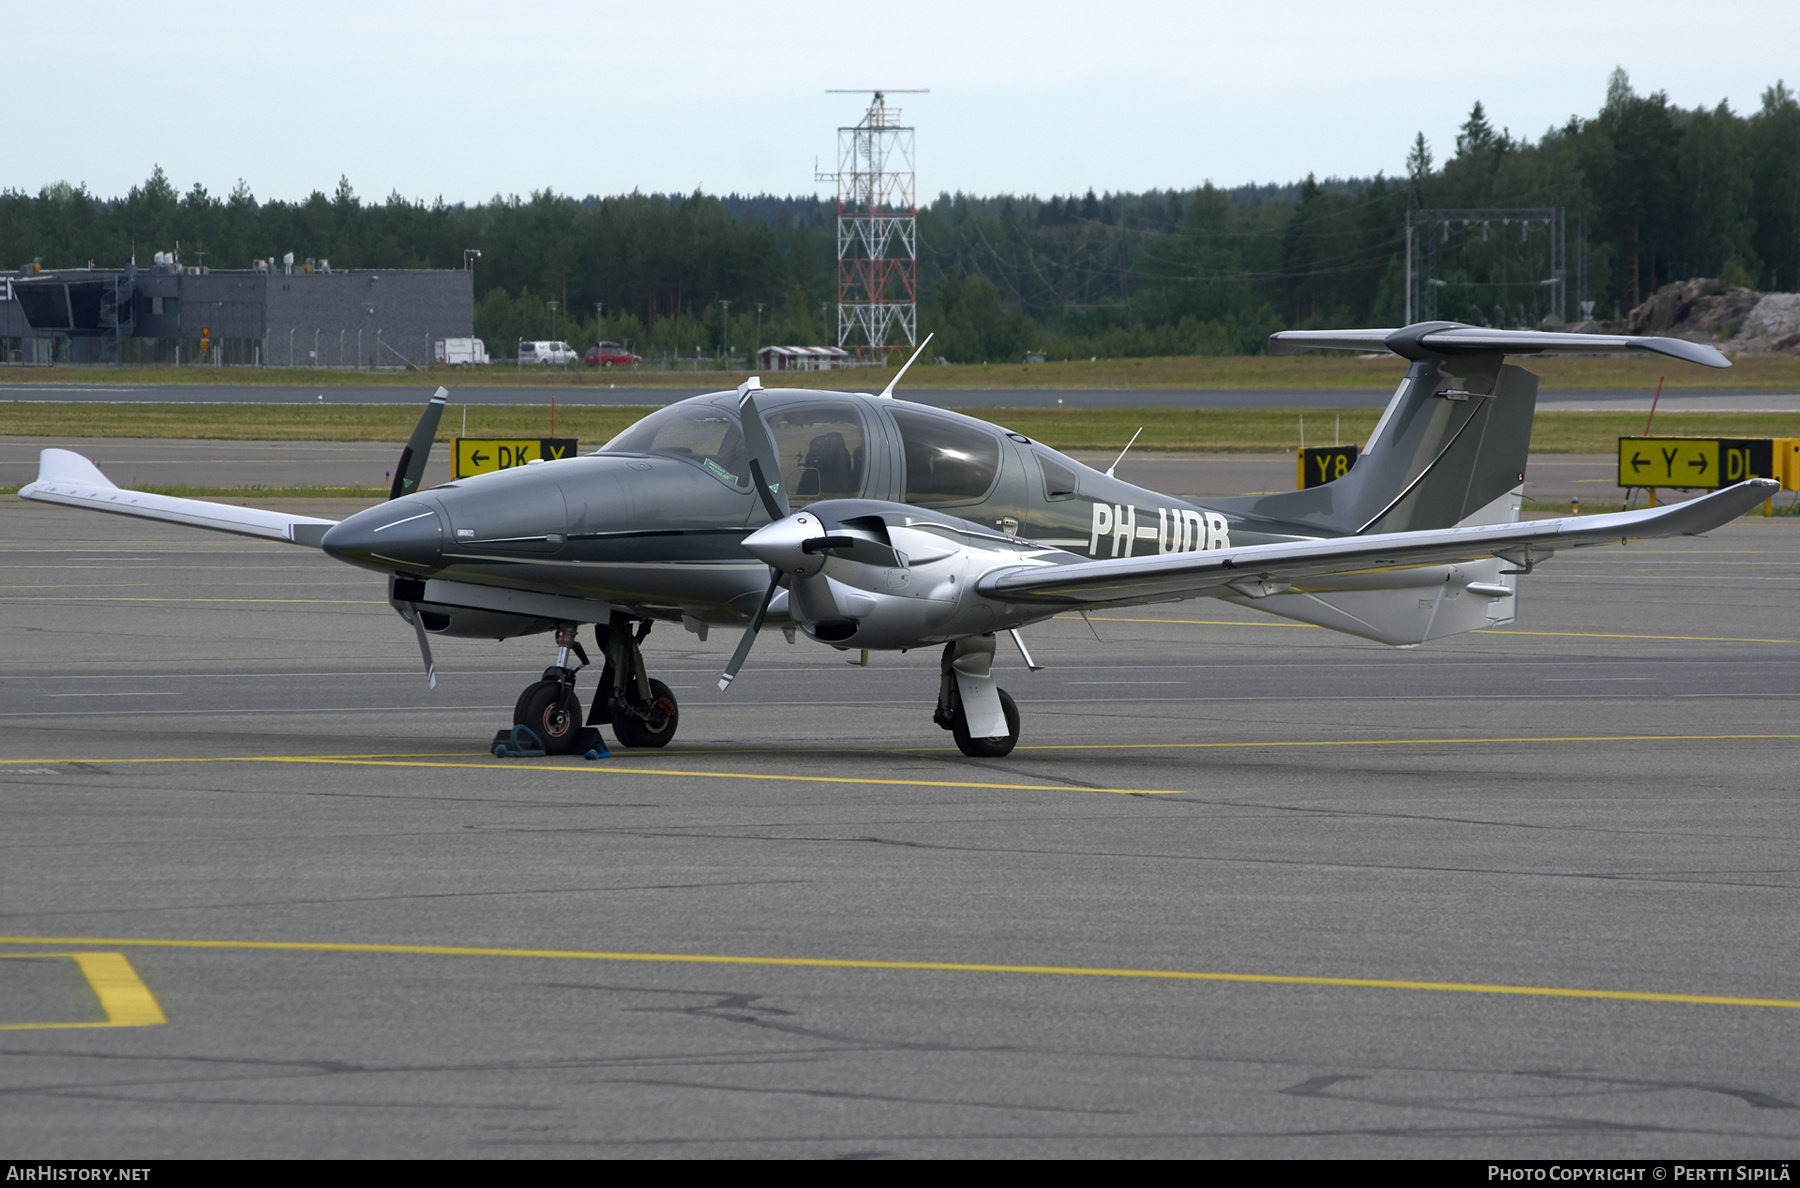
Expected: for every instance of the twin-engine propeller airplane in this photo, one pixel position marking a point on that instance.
(870, 522)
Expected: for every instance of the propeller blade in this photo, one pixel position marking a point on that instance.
(418, 622)
(756, 621)
(411, 468)
(765, 464)
(770, 495)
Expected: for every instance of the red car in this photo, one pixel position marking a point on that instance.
(611, 354)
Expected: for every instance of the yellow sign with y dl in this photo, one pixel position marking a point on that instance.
(1705, 463)
(480, 455)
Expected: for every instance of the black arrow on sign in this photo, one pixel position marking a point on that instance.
(1699, 464)
(1638, 462)
(478, 458)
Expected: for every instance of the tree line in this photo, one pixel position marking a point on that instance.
(1653, 192)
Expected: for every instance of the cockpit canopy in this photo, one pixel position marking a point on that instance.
(822, 444)
(700, 432)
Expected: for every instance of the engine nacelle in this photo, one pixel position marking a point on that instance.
(472, 624)
(929, 597)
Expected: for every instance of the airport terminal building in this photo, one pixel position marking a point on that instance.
(274, 315)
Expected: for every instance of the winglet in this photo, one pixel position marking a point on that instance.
(66, 466)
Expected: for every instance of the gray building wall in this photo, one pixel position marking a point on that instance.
(406, 308)
(380, 316)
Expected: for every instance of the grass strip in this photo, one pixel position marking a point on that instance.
(1182, 371)
(1226, 430)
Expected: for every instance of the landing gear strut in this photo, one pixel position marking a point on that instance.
(641, 711)
(979, 715)
(548, 707)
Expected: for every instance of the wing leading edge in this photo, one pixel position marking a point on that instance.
(66, 477)
(1127, 581)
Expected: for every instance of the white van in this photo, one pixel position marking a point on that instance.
(548, 352)
(460, 352)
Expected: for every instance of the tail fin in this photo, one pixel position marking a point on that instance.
(1452, 445)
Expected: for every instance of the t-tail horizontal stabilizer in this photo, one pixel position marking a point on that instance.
(1427, 340)
(67, 478)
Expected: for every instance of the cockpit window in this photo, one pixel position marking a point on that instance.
(946, 460)
(822, 450)
(1059, 477)
(701, 433)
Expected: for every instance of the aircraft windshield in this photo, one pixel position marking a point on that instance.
(702, 433)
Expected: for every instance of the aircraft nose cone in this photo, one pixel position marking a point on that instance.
(781, 545)
(404, 532)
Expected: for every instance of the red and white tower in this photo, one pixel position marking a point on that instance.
(877, 232)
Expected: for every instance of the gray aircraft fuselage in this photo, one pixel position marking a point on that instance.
(654, 520)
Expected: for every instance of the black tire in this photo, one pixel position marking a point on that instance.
(654, 731)
(551, 713)
(987, 748)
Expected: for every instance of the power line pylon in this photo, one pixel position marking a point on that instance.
(877, 231)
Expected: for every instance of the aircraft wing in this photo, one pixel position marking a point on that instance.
(66, 477)
(1261, 569)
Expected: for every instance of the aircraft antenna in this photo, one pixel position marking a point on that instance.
(1123, 452)
(877, 230)
(887, 393)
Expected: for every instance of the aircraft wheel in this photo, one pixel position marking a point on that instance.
(655, 730)
(552, 713)
(987, 748)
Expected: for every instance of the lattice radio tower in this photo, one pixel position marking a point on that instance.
(877, 231)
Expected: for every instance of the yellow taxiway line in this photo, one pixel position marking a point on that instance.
(1400, 742)
(604, 769)
(1075, 971)
(1476, 631)
(123, 995)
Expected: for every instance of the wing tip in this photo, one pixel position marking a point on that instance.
(66, 466)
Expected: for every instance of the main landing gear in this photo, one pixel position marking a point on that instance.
(978, 713)
(641, 711)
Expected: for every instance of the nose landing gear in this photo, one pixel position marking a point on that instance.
(548, 706)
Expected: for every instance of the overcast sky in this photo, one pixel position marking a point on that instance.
(465, 100)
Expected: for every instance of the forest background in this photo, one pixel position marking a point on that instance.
(1653, 193)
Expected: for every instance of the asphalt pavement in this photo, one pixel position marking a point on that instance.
(1246, 888)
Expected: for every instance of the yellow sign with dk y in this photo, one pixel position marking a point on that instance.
(479, 455)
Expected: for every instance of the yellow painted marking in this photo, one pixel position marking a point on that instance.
(1477, 631)
(494, 765)
(123, 995)
(307, 601)
(1078, 971)
(571, 768)
(1612, 635)
(1395, 742)
(1192, 622)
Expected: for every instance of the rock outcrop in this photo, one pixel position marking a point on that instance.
(1738, 321)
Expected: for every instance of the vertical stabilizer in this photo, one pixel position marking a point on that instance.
(1452, 442)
